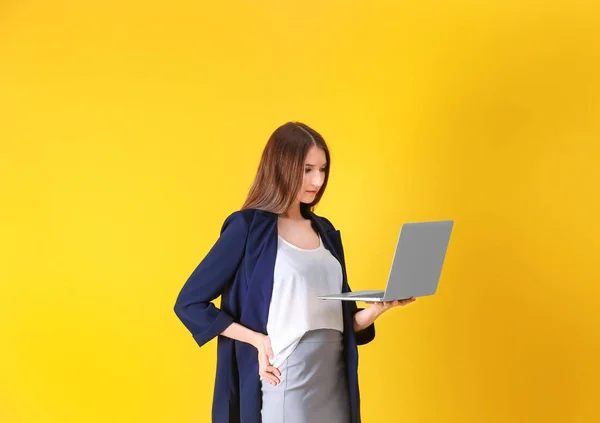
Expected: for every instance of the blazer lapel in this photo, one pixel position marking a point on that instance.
(331, 237)
(333, 242)
(261, 251)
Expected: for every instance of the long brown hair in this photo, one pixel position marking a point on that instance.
(280, 171)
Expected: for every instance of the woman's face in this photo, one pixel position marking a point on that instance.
(314, 174)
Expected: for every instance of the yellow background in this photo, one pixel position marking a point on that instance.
(130, 129)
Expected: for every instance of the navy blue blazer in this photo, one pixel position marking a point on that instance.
(240, 267)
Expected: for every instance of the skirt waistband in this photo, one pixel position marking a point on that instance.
(322, 335)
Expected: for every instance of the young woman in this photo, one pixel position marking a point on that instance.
(282, 355)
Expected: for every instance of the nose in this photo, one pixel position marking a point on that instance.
(317, 180)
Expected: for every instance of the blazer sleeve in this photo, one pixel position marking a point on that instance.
(210, 279)
(367, 334)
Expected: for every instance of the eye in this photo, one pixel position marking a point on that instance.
(307, 170)
(323, 169)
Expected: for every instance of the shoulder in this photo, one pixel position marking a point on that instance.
(244, 219)
(238, 220)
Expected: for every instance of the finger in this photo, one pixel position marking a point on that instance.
(269, 377)
(269, 349)
(273, 370)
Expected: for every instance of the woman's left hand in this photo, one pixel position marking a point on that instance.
(386, 305)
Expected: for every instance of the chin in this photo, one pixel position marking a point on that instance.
(308, 199)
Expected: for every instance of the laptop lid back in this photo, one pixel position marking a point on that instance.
(418, 259)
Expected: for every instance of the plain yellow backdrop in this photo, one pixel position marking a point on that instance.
(130, 129)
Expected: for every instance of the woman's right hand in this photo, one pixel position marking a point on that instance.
(269, 373)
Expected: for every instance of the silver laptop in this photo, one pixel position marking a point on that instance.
(416, 265)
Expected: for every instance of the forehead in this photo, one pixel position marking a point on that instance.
(316, 156)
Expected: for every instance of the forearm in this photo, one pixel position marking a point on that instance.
(365, 318)
(241, 333)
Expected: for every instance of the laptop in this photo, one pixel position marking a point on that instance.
(416, 265)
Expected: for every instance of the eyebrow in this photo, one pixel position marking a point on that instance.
(312, 165)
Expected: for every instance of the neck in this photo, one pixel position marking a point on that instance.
(293, 212)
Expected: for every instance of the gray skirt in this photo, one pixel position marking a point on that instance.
(313, 386)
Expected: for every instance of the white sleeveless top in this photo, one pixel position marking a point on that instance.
(301, 275)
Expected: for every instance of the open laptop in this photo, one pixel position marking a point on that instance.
(416, 265)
